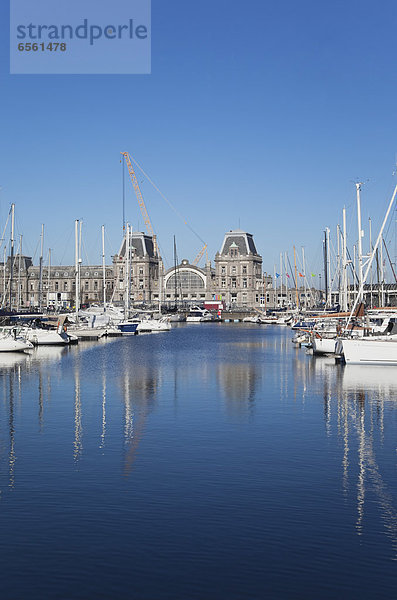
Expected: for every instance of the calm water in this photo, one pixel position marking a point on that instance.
(211, 462)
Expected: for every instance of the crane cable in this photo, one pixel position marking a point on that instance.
(167, 201)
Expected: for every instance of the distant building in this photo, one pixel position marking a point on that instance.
(146, 265)
(238, 271)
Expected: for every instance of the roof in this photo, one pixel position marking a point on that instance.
(238, 239)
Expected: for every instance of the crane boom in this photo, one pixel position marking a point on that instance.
(138, 193)
(199, 255)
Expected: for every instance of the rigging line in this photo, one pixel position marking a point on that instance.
(391, 264)
(5, 227)
(292, 272)
(71, 232)
(167, 201)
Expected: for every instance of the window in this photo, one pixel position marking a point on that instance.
(140, 270)
(141, 284)
(65, 274)
(56, 274)
(233, 298)
(87, 273)
(223, 283)
(244, 269)
(56, 286)
(95, 285)
(234, 282)
(233, 270)
(65, 286)
(86, 286)
(244, 282)
(223, 270)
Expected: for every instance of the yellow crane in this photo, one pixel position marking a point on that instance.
(139, 196)
(199, 255)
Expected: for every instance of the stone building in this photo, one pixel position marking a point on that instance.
(145, 268)
(238, 270)
(236, 279)
(187, 283)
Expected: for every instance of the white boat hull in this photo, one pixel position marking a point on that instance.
(323, 345)
(371, 351)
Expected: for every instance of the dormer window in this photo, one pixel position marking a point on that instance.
(233, 251)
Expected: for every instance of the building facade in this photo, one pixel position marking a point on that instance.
(236, 278)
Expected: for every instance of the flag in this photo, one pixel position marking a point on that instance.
(277, 275)
(313, 275)
(287, 275)
(300, 275)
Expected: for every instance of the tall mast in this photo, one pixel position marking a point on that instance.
(296, 281)
(344, 264)
(48, 277)
(76, 265)
(281, 280)
(382, 273)
(327, 230)
(41, 267)
(325, 257)
(127, 272)
(370, 252)
(360, 235)
(80, 259)
(19, 273)
(103, 268)
(175, 276)
(4, 276)
(12, 251)
(338, 263)
(160, 284)
(304, 273)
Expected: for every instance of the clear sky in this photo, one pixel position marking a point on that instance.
(258, 115)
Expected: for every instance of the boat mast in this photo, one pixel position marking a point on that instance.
(4, 276)
(103, 268)
(41, 267)
(373, 252)
(12, 251)
(382, 273)
(296, 282)
(48, 277)
(127, 272)
(19, 272)
(275, 286)
(360, 236)
(370, 250)
(344, 264)
(160, 284)
(304, 274)
(325, 258)
(76, 264)
(175, 278)
(281, 275)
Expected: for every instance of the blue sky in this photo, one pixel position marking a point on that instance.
(258, 114)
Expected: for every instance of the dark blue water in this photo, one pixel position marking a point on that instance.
(211, 462)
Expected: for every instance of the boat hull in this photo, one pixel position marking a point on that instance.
(370, 351)
(127, 328)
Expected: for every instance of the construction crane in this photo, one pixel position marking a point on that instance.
(141, 202)
(199, 255)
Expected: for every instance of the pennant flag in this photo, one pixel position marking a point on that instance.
(300, 275)
(277, 275)
(313, 275)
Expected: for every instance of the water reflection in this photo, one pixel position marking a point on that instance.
(106, 393)
(238, 384)
(358, 396)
